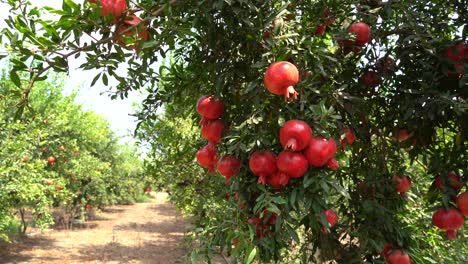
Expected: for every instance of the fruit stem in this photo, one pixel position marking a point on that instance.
(290, 94)
(262, 179)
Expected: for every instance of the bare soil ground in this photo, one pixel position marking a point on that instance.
(139, 233)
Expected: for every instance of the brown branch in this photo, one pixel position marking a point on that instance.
(102, 41)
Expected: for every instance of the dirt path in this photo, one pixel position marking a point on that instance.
(139, 233)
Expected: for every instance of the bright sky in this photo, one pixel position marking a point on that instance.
(116, 111)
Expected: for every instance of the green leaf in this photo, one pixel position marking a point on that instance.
(15, 78)
(251, 257)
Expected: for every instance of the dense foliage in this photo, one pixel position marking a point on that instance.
(392, 74)
(59, 155)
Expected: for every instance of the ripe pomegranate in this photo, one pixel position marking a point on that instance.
(228, 166)
(349, 137)
(294, 164)
(112, 7)
(362, 32)
(333, 164)
(278, 179)
(138, 32)
(320, 151)
(453, 181)
(262, 164)
(280, 79)
(320, 30)
(206, 156)
(25, 159)
(386, 249)
(448, 220)
(398, 257)
(328, 18)
(403, 134)
(48, 182)
(58, 187)
(267, 217)
(212, 131)
(403, 184)
(51, 160)
(332, 218)
(88, 207)
(62, 148)
(462, 203)
(295, 135)
(370, 79)
(456, 52)
(209, 107)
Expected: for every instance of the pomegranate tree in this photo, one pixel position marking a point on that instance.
(295, 135)
(280, 79)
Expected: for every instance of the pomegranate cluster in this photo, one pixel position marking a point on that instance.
(212, 128)
(128, 25)
(451, 219)
(301, 148)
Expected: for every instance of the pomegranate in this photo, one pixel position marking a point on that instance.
(212, 131)
(262, 164)
(62, 148)
(295, 135)
(267, 217)
(386, 65)
(206, 156)
(51, 160)
(112, 7)
(403, 134)
(398, 257)
(452, 180)
(370, 79)
(228, 166)
(278, 24)
(349, 137)
(25, 159)
(403, 184)
(138, 33)
(294, 164)
(280, 79)
(462, 203)
(386, 249)
(448, 220)
(328, 18)
(278, 179)
(320, 30)
(456, 52)
(362, 32)
(209, 107)
(332, 218)
(320, 151)
(333, 164)
(88, 207)
(58, 187)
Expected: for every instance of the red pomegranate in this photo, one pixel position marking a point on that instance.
(51, 160)
(25, 159)
(403, 184)
(398, 257)
(333, 164)
(448, 220)
(456, 52)
(320, 30)
(362, 32)
(280, 79)
(294, 164)
(62, 148)
(386, 249)
(138, 32)
(278, 24)
(209, 107)
(403, 134)
(370, 79)
(295, 135)
(267, 217)
(262, 164)
(349, 137)
(212, 130)
(88, 207)
(328, 18)
(278, 179)
(452, 180)
(206, 156)
(228, 166)
(332, 218)
(58, 187)
(462, 203)
(112, 7)
(320, 151)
